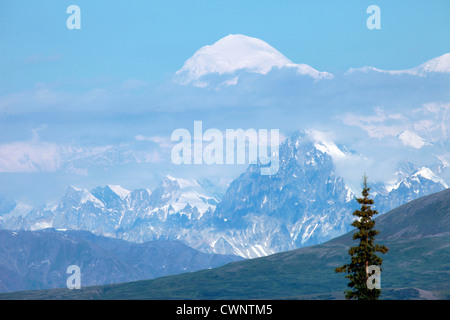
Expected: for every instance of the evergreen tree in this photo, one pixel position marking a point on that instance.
(363, 255)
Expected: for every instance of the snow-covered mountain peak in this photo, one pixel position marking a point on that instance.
(238, 52)
(307, 202)
(439, 64)
(118, 190)
(76, 192)
(72, 188)
(326, 145)
(411, 139)
(428, 174)
(183, 183)
(408, 175)
(231, 53)
(75, 195)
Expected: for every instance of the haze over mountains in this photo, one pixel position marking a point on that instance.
(236, 82)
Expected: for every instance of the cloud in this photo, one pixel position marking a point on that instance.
(29, 156)
(428, 123)
(122, 123)
(375, 125)
(35, 59)
(129, 96)
(435, 122)
(162, 141)
(38, 156)
(134, 85)
(77, 171)
(150, 157)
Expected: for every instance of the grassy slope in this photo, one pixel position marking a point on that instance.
(419, 258)
(303, 273)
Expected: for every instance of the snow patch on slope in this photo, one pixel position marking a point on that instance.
(428, 174)
(121, 192)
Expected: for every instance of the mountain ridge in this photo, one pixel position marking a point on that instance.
(308, 273)
(306, 203)
(39, 259)
(237, 52)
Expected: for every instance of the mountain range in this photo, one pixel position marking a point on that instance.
(306, 203)
(402, 114)
(237, 53)
(415, 267)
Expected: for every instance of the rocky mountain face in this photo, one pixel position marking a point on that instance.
(411, 183)
(140, 215)
(305, 203)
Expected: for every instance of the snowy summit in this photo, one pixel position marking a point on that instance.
(411, 139)
(439, 64)
(237, 52)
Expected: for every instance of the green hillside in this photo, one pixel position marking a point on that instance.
(417, 266)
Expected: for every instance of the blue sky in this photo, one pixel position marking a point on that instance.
(150, 40)
(75, 101)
